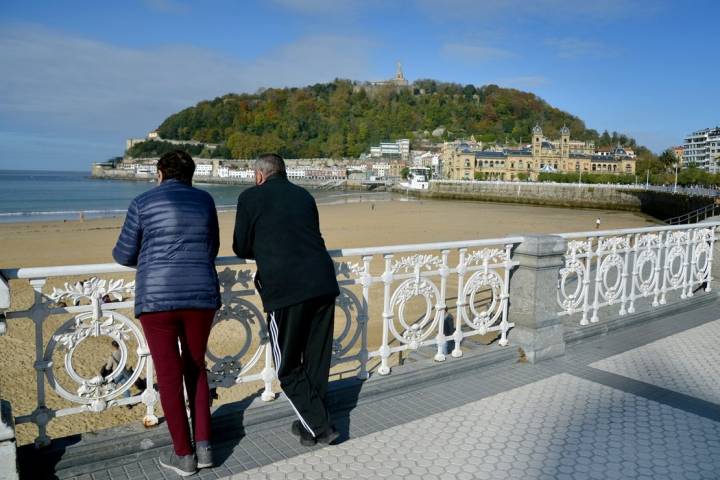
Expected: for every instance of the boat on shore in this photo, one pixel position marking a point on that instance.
(418, 179)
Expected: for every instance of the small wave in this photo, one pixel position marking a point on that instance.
(62, 212)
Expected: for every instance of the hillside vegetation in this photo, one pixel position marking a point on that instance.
(337, 120)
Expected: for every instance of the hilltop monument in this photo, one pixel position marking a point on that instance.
(399, 82)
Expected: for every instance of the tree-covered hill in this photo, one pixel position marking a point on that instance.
(340, 120)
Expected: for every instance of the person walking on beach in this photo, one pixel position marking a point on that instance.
(597, 223)
(277, 224)
(171, 235)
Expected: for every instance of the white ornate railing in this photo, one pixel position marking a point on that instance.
(377, 287)
(621, 266)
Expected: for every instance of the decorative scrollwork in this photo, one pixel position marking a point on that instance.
(701, 256)
(84, 327)
(97, 391)
(578, 247)
(486, 256)
(229, 277)
(224, 372)
(95, 388)
(414, 332)
(675, 266)
(93, 288)
(349, 269)
(613, 244)
(573, 271)
(227, 370)
(481, 281)
(612, 266)
(415, 263)
(646, 284)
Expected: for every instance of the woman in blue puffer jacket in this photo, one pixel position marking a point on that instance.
(171, 235)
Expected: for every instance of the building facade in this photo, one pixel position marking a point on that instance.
(399, 149)
(702, 149)
(542, 155)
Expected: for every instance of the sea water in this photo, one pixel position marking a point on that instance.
(27, 195)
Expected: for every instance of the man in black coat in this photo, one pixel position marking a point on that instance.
(277, 224)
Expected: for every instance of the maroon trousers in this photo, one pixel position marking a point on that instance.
(163, 331)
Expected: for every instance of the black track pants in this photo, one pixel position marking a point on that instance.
(301, 337)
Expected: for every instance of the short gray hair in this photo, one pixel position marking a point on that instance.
(270, 164)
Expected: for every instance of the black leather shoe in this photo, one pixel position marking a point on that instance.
(328, 436)
(306, 438)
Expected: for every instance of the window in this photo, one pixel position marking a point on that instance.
(577, 166)
(594, 167)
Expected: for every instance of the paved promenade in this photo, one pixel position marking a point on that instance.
(639, 402)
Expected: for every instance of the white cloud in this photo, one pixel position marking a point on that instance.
(474, 52)
(577, 48)
(61, 83)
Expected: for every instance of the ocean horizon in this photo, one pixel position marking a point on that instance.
(50, 195)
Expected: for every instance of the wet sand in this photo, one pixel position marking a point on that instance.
(343, 225)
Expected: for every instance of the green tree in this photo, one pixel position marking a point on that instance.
(340, 119)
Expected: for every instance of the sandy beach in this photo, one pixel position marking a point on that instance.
(343, 225)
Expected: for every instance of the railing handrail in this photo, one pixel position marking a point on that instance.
(626, 231)
(99, 268)
(85, 269)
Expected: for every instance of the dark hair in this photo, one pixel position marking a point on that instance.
(271, 164)
(177, 164)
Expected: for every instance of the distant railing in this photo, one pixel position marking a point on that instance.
(690, 191)
(374, 320)
(696, 215)
(619, 267)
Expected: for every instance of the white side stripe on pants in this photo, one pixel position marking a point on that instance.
(278, 359)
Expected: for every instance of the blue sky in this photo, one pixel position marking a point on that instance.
(78, 77)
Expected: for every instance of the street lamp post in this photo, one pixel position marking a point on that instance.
(676, 171)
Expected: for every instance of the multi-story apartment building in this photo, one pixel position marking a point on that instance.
(542, 155)
(702, 149)
(392, 150)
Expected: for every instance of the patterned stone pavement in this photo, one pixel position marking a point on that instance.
(639, 402)
(687, 362)
(563, 427)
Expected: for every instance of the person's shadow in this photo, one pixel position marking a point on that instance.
(228, 427)
(342, 398)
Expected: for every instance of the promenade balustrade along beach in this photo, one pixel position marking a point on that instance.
(524, 294)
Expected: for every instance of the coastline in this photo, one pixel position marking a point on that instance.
(347, 220)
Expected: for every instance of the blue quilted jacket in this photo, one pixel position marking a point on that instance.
(171, 235)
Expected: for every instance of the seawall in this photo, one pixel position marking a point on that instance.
(661, 205)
